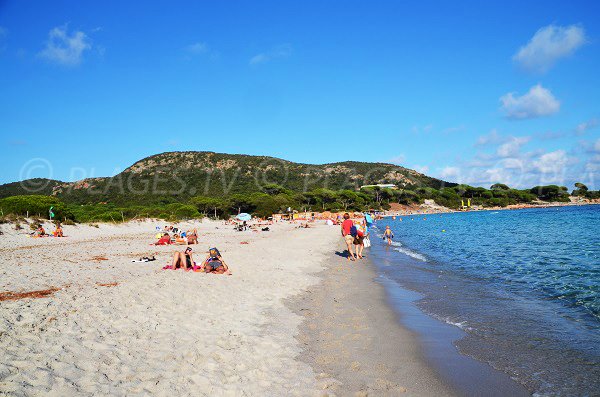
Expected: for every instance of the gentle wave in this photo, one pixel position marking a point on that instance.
(525, 285)
(400, 248)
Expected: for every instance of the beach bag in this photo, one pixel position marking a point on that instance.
(367, 242)
(353, 231)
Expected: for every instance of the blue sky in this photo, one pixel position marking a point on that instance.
(475, 92)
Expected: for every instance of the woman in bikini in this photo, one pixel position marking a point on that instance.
(214, 263)
(183, 259)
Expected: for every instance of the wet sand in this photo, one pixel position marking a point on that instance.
(359, 345)
(353, 341)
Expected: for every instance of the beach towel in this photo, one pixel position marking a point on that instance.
(164, 240)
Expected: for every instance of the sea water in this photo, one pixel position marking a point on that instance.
(524, 285)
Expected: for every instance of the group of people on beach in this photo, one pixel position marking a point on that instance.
(213, 263)
(179, 237)
(356, 234)
(41, 232)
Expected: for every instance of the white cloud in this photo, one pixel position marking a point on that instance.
(259, 58)
(538, 102)
(586, 126)
(65, 49)
(548, 45)
(512, 147)
(506, 162)
(553, 162)
(491, 137)
(277, 52)
(197, 48)
(450, 172)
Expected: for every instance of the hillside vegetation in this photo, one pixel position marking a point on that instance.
(178, 185)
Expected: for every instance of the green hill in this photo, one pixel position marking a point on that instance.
(179, 176)
(179, 185)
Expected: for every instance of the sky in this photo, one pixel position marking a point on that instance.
(472, 92)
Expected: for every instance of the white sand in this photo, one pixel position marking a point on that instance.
(156, 332)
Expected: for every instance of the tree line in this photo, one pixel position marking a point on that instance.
(277, 199)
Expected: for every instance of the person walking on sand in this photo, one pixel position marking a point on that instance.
(388, 235)
(359, 239)
(348, 238)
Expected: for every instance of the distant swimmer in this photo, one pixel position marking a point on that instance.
(388, 235)
(393, 217)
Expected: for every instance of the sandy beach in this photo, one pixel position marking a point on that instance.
(110, 326)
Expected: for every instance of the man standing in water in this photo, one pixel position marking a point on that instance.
(348, 238)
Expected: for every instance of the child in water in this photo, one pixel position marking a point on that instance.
(388, 235)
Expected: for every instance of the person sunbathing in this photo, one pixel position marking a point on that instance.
(180, 240)
(184, 260)
(39, 232)
(58, 232)
(164, 240)
(192, 236)
(214, 263)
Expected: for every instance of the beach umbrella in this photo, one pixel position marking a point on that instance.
(243, 217)
(369, 219)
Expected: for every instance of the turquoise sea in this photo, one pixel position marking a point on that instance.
(524, 285)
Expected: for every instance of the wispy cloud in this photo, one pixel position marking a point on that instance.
(505, 161)
(451, 130)
(277, 52)
(582, 128)
(398, 160)
(512, 147)
(197, 48)
(64, 48)
(553, 162)
(491, 137)
(450, 173)
(421, 129)
(548, 45)
(538, 102)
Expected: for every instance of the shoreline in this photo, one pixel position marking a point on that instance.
(362, 338)
(87, 320)
(351, 338)
(464, 373)
(512, 207)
